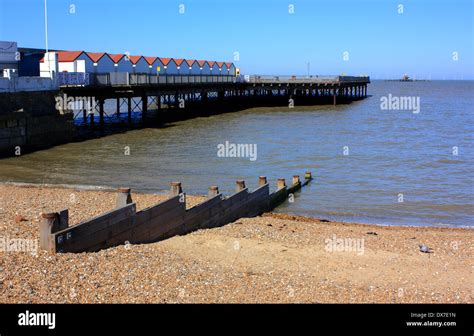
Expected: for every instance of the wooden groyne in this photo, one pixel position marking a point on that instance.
(124, 224)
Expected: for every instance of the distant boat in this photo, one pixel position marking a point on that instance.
(406, 78)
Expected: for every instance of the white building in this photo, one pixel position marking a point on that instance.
(97, 62)
(67, 61)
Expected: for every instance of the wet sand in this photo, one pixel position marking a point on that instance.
(271, 258)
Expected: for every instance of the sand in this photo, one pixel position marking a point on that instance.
(271, 258)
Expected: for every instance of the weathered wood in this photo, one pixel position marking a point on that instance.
(162, 220)
(47, 241)
(294, 188)
(88, 233)
(124, 197)
(63, 220)
(278, 197)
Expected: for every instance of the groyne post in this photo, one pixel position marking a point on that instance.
(239, 185)
(281, 183)
(175, 189)
(213, 191)
(52, 222)
(124, 197)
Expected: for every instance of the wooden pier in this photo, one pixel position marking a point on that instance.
(165, 98)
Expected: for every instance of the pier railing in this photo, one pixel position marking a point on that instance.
(128, 79)
(168, 218)
(145, 79)
(305, 79)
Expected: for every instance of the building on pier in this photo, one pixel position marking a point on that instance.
(169, 66)
(100, 62)
(212, 68)
(230, 67)
(154, 65)
(193, 67)
(203, 67)
(121, 62)
(139, 64)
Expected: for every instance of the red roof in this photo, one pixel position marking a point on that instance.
(220, 64)
(178, 61)
(164, 60)
(150, 60)
(66, 56)
(116, 57)
(95, 56)
(190, 62)
(201, 63)
(134, 59)
(211, 63)
(228, 65)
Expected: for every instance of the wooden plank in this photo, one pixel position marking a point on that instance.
(160, 208)
(104, 238)
(277, 197)
(150, 229)
(205, 207)
(294, 188)
(83, 233)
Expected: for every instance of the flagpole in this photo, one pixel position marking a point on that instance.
(46, 36)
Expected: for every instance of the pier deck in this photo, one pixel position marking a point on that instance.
(186, 92)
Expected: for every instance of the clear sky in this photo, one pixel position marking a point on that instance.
(423, 41)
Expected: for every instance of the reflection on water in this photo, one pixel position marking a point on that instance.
(392, 156)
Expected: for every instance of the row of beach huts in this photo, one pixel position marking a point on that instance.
(100, 62)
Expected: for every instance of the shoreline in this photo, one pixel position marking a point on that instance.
(273, 258)
(164, 193)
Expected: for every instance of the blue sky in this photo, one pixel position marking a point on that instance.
(379, 41)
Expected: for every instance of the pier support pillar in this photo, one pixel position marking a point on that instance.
(334, 99)
(281, 183)
(101, 113)
(129, 106)
(144, 107)
(84, 115)
(118, 107)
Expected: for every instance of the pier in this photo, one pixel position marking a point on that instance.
(162, 98)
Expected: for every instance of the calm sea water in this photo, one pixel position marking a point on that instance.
(392, 154)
